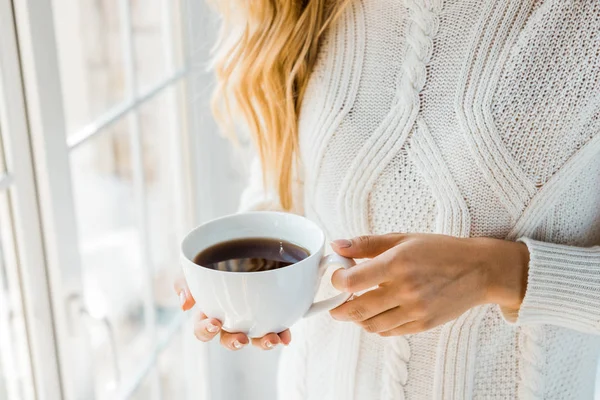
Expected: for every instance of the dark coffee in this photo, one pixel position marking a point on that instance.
(251, 255)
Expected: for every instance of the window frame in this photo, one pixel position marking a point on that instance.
(19, 181)
(44, 131)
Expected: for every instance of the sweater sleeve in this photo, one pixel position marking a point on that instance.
(256, 197)
(563, 287)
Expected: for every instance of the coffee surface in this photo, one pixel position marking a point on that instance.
(251, 255)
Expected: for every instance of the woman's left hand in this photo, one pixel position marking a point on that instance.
(420, 281)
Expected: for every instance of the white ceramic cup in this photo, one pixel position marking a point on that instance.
(257, 303)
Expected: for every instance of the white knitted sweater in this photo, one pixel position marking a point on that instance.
(467, 118)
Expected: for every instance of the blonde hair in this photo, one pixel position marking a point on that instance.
(263, 59)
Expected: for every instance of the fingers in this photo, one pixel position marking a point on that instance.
(386, 321)
(186, 300)
(206, 328)
(366, 306)
(362, 276)
(286, 337)
(267, 342)
(271, 340)
(368, 246)
(409, 328)
(234, 341)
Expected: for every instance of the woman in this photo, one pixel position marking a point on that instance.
(472, 127)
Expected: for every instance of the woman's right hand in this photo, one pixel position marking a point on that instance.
(205, 329)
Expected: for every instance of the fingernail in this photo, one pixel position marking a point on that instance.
(212, 328)
(182, 298)
(237, 344)
(342, 243)
(269, 345)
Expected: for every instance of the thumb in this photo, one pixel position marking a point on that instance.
(367, 246)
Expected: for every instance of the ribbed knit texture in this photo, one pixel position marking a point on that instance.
(466, 118)
(563, 287)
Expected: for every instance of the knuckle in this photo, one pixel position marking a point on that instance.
(409, 292)
(403, 257)
(370, 326)
(420, 308)
(200, 335)
(349, 281)
(385, 267)
(356, 313)
(426, 325)
(364, 241)
(223, 341)
(412, 290)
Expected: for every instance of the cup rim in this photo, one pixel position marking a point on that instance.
(280, 213)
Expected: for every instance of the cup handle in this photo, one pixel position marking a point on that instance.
(335, 301)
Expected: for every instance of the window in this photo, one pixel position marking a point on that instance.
(26, 335)
(15, 377)
(95, 194)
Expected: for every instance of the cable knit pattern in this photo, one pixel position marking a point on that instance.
(380, 148)
(531, 385)
(467, 118)
(422, 28)
(396, 368)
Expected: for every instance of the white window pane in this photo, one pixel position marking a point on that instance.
(158, 125)
(170, 363)
(148, 388)
(90, 53)
(2, 161)
(15, 376)
(92, 50)
(149, 46)
(110, 245)
(178, 17)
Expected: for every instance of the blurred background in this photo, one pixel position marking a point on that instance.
(108, 156)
